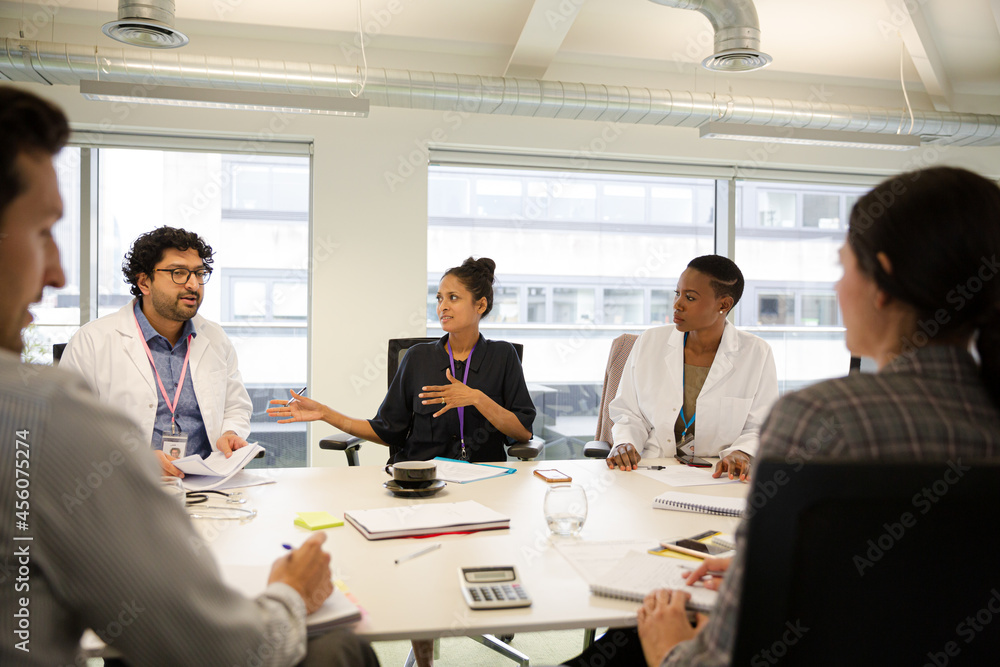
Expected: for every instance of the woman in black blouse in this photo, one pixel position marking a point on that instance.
(440, 403)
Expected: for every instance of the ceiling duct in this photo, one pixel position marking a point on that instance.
(737, 33)
(69, 64)
(146, 23)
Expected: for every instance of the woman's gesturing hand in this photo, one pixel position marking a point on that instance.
(298, 409)
(454, 395)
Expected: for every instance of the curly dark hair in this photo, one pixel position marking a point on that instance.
(148, 250)
(30, 124)
(477, 276)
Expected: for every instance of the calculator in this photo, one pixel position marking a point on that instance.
(492, 587)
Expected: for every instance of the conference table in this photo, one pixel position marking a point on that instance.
(420, 598)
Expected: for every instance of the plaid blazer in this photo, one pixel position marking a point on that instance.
(928, 405)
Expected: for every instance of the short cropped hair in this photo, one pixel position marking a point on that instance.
(726, 278)
(28, 124)
(148, 250)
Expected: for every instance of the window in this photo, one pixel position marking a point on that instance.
(787, 237)
(819, 310)
(506, 306)
(775, 309)
(254, 212)
(581, 257)
(57, 315)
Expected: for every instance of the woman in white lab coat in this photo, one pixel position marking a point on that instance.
(699, 386)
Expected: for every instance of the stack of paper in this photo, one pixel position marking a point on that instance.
(215, 470)
(430, 519)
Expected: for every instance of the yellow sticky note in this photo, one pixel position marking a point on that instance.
(317, 520)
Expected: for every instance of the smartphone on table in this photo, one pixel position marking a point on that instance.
(552, 475)
(699, 546)
(693, 461)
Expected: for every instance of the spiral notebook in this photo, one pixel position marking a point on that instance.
(697, 502)
(639, 573)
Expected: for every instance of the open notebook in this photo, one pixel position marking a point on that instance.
(640, 573)
(339, 609)
(251, 580)
(697, 502)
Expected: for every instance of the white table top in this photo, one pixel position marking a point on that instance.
(420, 598)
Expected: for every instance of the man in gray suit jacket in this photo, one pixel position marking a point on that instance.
(87, 540)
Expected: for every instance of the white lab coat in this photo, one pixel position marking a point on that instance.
(741, 386)
(109, 354)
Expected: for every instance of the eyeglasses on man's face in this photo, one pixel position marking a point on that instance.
(181, 276)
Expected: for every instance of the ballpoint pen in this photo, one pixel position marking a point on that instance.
(652, 467)
(419, 553)
(293, 399)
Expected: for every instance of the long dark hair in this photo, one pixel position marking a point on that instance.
(940, 230)
(477, 276)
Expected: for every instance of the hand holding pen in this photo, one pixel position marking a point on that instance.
(710, 573)
(298, 409)
(296, 395)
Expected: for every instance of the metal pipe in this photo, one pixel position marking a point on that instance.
(68, 64)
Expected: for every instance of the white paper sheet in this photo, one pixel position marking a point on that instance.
(686, 476)
(461, 472)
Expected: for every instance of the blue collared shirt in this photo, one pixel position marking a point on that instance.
(169, 362)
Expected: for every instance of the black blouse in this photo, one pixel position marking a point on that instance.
(409, 428)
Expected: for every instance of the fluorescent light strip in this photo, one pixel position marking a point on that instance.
(208, 98)
(807, 137)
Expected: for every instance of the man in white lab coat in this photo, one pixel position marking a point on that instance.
(171, 370)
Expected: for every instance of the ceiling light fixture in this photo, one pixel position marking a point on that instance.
(146, 23)
(807, 137)
(208, 98)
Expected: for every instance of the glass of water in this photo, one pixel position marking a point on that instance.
(565, 508)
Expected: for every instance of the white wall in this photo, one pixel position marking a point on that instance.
(370, 239)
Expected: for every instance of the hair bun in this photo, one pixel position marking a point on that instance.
(485, 265)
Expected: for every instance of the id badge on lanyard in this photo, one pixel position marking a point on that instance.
(175, 444)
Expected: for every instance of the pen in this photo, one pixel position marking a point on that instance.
(419, 553)
(288, 546)
(653, 467)
(293, 399)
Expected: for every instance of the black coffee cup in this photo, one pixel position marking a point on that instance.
(413, 474)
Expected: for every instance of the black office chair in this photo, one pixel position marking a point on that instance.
(871, 564)
(57, 352)
(525, 451)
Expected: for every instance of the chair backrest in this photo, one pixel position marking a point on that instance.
(57, 352)
(620, 349)
(399, 346)
(871, 563)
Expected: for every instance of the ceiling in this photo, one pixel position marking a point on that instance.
(950, 48)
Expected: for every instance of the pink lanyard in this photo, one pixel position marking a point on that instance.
(163, 390)
(465, 380)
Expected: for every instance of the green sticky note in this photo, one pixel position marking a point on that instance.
(317, 520)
